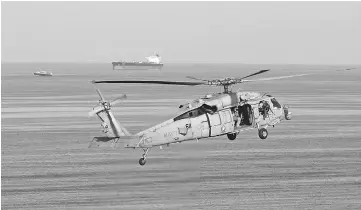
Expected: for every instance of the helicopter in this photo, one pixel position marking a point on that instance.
(225, 113)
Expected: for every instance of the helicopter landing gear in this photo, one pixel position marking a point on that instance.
(143, 160)
(263, 133)
(231, 136)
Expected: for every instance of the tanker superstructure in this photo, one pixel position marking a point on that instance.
(153, 62)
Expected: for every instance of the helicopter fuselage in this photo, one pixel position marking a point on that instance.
(213, 115)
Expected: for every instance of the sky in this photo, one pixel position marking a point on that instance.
(182, 32)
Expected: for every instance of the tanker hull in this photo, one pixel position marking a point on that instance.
(135, 66)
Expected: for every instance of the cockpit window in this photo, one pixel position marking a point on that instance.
(275, 103)
(190, 114)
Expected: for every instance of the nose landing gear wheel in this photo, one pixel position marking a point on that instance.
(263, 133)
(142, 161)
(288, 117)
(231, 136)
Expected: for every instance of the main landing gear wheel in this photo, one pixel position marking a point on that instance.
(142, 161)
(231, 136)
(263, 133)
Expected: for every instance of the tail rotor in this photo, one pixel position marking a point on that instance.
(105, 105)
(110, 126)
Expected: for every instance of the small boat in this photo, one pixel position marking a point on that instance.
(43, 73)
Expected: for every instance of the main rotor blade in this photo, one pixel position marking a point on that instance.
(118, 100)
(274, 78)
(190, 77)
(297, 75)
(259, 72)
(150, 82)
(100, 94)
(345, 69)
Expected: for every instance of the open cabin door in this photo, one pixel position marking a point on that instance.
(270, 114)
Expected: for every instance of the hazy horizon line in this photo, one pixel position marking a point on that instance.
(180, 63)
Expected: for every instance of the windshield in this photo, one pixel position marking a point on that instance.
(190, 114)
(275, 103)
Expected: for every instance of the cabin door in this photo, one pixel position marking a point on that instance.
(215, 124)
(226, 121)
(205, 129)
(221, 122)
(200, 126)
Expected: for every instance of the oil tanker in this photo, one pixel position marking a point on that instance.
(153, 62)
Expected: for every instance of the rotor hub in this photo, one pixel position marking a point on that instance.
(106, 105)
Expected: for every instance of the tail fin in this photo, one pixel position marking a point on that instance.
(114, 131)
(110, 126)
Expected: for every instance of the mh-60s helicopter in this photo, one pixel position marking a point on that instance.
(227, 113)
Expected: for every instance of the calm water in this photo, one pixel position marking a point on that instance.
(309, 162)
(69, 92)
(73, 79)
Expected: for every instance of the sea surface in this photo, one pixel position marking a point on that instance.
(310, 162)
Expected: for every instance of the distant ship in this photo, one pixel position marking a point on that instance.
(43, 73)
(153, 62)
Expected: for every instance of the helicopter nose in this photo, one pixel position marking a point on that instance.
(287, 113)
